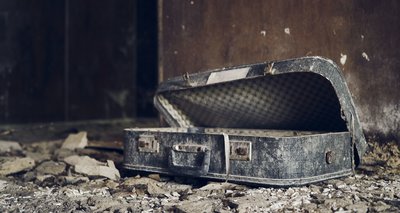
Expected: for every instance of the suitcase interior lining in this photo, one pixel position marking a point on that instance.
(291, 101)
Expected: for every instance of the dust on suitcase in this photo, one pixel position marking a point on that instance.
(282, 123)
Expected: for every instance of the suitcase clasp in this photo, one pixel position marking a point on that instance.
(189, 159)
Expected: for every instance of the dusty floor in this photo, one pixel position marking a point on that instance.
(51, 184)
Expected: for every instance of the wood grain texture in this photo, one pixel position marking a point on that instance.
(362, 37)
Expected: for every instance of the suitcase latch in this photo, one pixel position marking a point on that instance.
(240, 150)
(148, 143)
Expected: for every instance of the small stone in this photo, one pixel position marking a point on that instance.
(340, 185)
(180, 188)
(102, 171)
(75, 141)
(175, 194)
(74, 180)
(361, 207)
(325, 190)
(289, 192)
(196, 206)
(147, 185)
(310, 207)
(14, 165)
(9, 146)
(45, 180)
(91, 167)
(82, 160)
(42, 178)
(253, 202)
(61, 154)
(315, 189)
(51, 167)
(222, 186)
(112, 184)
(380, 206)
(3, 184)
(323, 208)
(29, 176)
(37, 156)
(155, 177)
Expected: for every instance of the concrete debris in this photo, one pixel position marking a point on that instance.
(9, 146)
(72, 179)
(50, 167)
(155, 177)
(73, 185)
(147, 186)
(198, 206)
(98, 171)
(180, 188)
(44, 147)
(91, 167)
(380, 207)
(12, 165)
(75, 141)
(222, 186)
(360, 207)
(82, 160)
(61, 154)
(38, 156)
(46, 180)
(3, 184)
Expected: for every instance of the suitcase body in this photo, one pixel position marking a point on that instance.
(278, 123)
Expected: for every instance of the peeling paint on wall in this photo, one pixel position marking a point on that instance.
(364, 55)
(287, 30)
(343, 58)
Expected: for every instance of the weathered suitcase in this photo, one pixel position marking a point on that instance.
(283, 123)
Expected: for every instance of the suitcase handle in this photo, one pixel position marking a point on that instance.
(189, 159)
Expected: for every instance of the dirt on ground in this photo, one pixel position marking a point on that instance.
(41, 176)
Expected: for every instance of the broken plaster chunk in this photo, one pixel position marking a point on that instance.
(222, 186)
(51, 167)
(155, 177)
(3, 184)
(75, 141)
(73, 180)
(61, 154)
(92, 167)
(10, 166)
(102, 171)
(37, 156)
(8, 146)
(149, 185)
(197, 206)
(82, 160)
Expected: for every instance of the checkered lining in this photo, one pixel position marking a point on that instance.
(290, 101)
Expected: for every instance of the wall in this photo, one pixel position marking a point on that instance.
(67, 60)
(362, 37)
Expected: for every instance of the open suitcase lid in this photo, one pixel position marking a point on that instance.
(307, 94)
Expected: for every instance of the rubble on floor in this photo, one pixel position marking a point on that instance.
(75, 141)
(9, 146)
(12, 165)
(42, 177)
